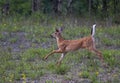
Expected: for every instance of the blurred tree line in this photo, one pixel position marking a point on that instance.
(99, 8)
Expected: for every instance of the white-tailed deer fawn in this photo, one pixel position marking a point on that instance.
(65, 46)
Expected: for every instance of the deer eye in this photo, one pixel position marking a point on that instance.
(55, 33)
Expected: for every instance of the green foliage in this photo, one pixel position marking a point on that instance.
(111, 57)
(85, 8)
(24, 7)
(80, 7)
(47, 6)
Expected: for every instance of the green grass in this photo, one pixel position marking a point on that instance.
(28, 63)
(62, 69)
(112, 57)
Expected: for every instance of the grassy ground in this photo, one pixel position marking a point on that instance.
(25, 41)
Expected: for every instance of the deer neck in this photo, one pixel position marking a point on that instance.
(59, 39)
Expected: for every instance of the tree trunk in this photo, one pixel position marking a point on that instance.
(5, 8)
(57, 6)
(35, 5)
(89, 8)
(69, 5)
(105, 7)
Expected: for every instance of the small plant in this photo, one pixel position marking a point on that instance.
(94, 78)
(84, 74)
(51, 66)
(62, 69)
(110, 57)
(13, 40)
(50, 81)
(1, 36)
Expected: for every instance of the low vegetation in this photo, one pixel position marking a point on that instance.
(25, 41)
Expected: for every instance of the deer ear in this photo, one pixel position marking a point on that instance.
(57, 30)
(61, 28)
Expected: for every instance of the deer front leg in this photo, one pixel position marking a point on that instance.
(60, 59)
(54, 51)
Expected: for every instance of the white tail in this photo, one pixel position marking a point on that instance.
(93, 30)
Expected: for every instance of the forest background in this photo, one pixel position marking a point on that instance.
(105, 10)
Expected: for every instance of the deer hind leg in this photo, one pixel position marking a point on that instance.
(94, 50)
(54, 51)
(60, 59)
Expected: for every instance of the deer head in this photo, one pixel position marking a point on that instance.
(57, 33)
